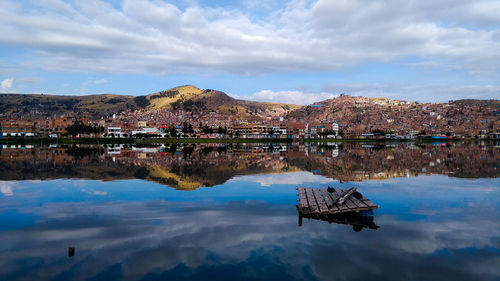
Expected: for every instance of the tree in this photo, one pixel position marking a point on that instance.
(378, 132)
(176, 104)
(221, 130)
(207, 130)
(173, 132)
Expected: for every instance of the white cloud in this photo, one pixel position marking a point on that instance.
(294, 97)
(100, 81)
(296, 178)
(154, 37)
(100, 193)
(6, 189)
(6, 85)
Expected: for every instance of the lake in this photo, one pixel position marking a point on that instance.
(228, 212)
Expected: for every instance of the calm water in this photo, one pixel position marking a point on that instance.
(227, 212)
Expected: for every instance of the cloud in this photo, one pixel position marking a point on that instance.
(100, 193)
(6, 189)
(160, 38)
(6, 85)
(294, 97)
(295, 178)
(156, 236)
(100, 81)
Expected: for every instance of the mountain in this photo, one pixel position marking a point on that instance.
(188, 98)
(40, 105)
(191, 98)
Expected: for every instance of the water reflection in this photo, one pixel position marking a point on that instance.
(192, 166)
(165, 234)
(358, 221)
(106, 203)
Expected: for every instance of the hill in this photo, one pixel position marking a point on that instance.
(189, 98)
(36, 105)
(357, 115)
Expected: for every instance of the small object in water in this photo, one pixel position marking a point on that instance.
(330, 189)
(71, 252)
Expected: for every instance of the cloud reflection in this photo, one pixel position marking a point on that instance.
(6, 188)
(295, 178)
(160, 239)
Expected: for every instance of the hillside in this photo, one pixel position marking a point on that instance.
(360, 115)
(39, 105)
(355, 115)
(189, 98)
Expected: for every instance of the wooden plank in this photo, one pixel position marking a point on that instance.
(346, 195)
(329, 203)
(348, 202)
(312, 202)
(302, 200)
(358, 203)
(368, 202)
(303, 203)
(341, 207)
(315, 201)
(302, 195)
(334, 198)
(321, 203)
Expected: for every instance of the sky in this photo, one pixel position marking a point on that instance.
(296, 51)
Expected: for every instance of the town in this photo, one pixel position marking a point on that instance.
(163, 127)
(344, 117)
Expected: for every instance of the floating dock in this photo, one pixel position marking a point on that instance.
(324, 202)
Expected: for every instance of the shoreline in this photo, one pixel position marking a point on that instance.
(194, 140)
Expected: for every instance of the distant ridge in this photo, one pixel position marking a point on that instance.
(187, 97)
(358, 113)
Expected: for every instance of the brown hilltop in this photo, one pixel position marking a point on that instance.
(189, 98)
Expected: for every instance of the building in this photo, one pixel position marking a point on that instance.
(113, 132)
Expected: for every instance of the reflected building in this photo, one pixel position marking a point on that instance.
(189, 166)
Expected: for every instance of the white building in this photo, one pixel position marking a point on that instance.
(147, 131)
(114, 132)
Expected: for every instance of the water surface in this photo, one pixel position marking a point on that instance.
(227, 212)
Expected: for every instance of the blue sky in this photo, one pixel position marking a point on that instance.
(296, 51)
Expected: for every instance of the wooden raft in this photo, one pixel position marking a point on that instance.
(318, 201)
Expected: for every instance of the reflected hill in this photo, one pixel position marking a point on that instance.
(188, 167)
